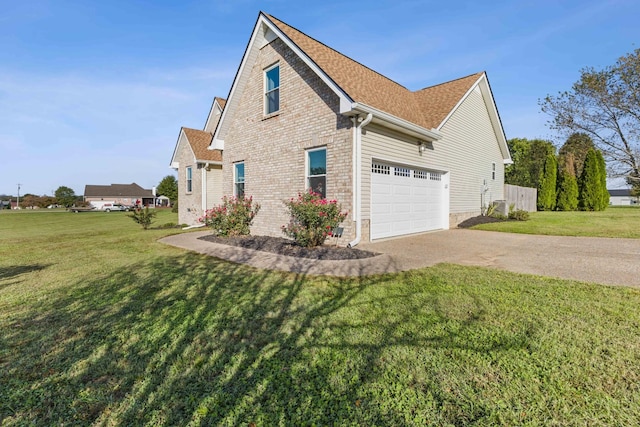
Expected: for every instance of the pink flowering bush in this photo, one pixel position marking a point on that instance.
(233, 217)
(312, 218)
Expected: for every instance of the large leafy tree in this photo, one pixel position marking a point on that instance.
(605, 105)
(65, 196)
(529, 157)
(168, 187)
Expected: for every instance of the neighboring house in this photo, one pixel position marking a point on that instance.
(301, 115)
(126, 194)
(622, 197)
(199, 169)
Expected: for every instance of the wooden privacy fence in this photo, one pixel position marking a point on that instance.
(521, 197)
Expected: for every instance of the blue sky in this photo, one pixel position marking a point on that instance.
(95, 92)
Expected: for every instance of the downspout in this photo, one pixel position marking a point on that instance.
(358, 124)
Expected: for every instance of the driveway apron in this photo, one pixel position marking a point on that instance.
(588, 259)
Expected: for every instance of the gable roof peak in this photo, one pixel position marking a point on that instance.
(278, 21)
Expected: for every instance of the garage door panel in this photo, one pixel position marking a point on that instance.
(404, 200)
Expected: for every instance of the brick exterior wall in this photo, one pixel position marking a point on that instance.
(189, 204)
(273, 147)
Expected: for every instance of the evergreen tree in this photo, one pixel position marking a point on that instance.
(590, 194)
(567, 187)
(604, 200)
(547, 192)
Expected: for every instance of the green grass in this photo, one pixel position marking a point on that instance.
(100, 324)
(612, 222)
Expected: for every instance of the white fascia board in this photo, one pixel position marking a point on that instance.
(464, 97)
(487, 95)
(216, 144)
(344, 98)
(483, 84)
(272, 33)
(396, 123)
(214, 106)
(234, 86)
(174, 163)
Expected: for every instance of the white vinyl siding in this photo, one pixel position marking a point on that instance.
(214, 186)
(467, 150)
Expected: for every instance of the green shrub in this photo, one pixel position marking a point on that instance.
(144, 217)
(174, 207)
(567, 191)
(519, 215)
(312, 218)
(233, 217)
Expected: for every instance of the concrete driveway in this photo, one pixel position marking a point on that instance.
(589, 259)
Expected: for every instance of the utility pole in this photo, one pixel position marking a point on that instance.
(18, 203)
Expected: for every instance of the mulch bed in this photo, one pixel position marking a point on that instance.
(468, 223)
(282, 246)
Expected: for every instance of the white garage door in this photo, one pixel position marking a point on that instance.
(405, 200)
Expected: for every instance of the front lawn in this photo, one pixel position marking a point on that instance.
(613, 222)
(100, 324)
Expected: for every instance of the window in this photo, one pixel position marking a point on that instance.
(317, 171)
(272, 89)
(493, 171)
(189, 179)
(238, 179)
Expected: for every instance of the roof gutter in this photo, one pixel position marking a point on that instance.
(358, 124)
(395, 122)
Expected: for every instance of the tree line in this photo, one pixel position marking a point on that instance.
(574, 178)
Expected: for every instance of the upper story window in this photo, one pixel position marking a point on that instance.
(189, 179)
(238, 179)
(317, 171)
(272, 89)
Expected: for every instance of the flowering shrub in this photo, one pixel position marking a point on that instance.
(233, 217)
(312, 218)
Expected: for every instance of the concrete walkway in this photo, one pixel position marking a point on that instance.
(588, 259)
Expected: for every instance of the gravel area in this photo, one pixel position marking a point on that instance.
(282, 246)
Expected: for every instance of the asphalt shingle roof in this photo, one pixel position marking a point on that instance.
(116, 190)
(427, 107)
(199, 141)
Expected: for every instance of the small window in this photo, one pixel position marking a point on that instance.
(421, 174)
(381, 169)
(238, 179)
(189, 179)
(272, 89)
(317, 171)
(493, 171)
(398, 171)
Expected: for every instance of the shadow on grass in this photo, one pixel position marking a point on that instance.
(17, 270)
(192, 339)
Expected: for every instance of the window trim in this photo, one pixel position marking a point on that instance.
(235, 178)
(266, 91)
(189, 179)
(307, 168)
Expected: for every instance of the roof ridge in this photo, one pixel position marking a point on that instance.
(334, 50)
(197, 130)
(449, 81)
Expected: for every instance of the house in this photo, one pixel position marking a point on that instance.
(300, 115)
(622, 197)
(199, 169)
(126, 194)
